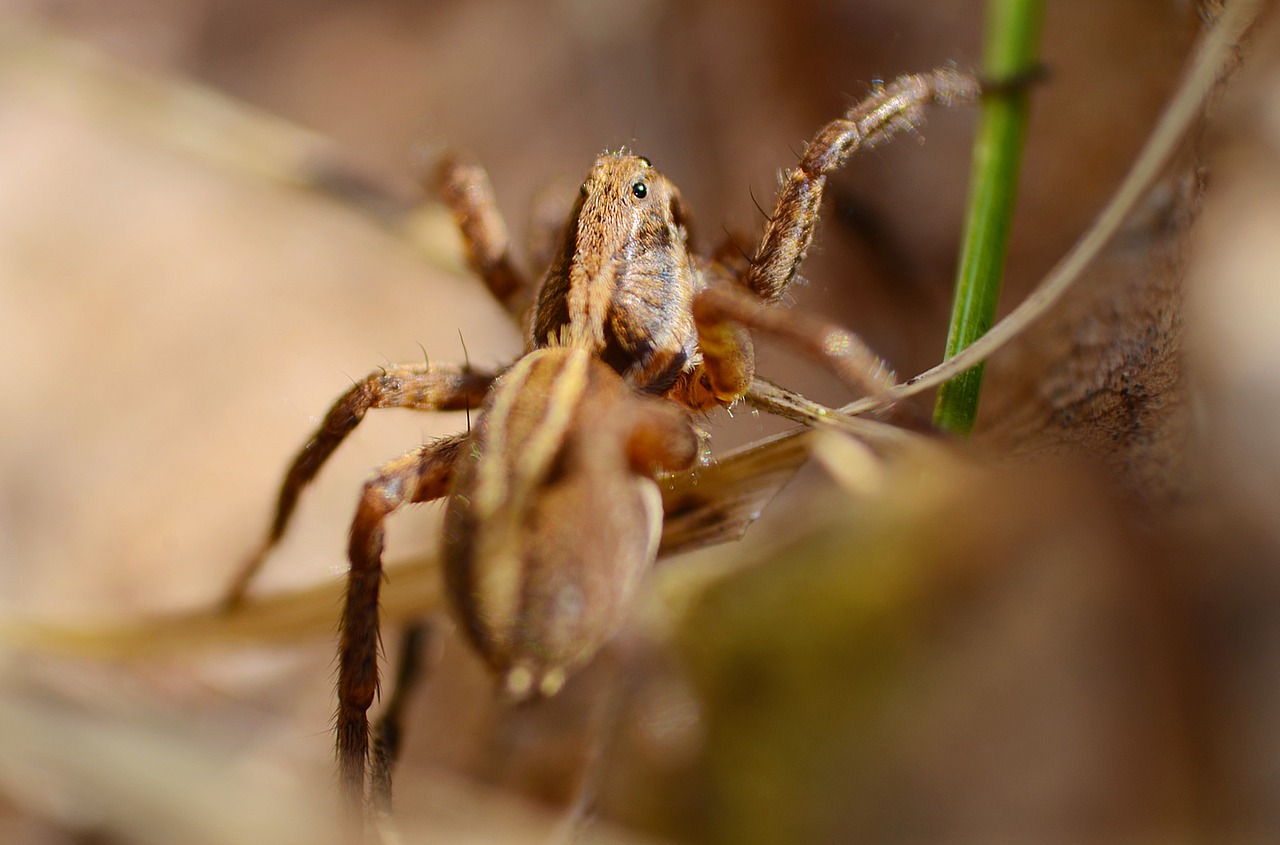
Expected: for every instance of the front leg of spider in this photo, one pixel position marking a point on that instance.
(897, 107)
(463, 186)
(415, 387)
(724, 312)
(420, 476)
(723, 315)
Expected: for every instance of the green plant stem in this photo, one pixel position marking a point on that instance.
(1010, 54)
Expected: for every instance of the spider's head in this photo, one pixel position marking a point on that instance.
(621, 286)
(621, 180)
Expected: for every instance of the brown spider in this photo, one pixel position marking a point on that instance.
(553, 511)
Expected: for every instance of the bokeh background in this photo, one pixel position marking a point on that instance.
(172, 326)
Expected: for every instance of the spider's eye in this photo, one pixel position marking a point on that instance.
(639, 190)
(584, 189)
(645, 161)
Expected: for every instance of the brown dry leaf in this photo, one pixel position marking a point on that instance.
(1102, 376)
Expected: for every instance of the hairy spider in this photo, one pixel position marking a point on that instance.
(553, 513)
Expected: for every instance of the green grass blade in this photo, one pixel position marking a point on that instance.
(1013, 33)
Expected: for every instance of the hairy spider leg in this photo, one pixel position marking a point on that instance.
(419, 387)
(723, 316)
(420, 476)
(388, 735)
(896, 107)
(464, 188)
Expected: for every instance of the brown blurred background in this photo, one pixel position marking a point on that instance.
(171, 328)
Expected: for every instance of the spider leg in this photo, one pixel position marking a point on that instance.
(723, 315)
(416, 387)
(420, 476)
(388, 735)
(896, 107)
(463, 186)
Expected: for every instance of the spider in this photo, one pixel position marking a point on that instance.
(553, 513)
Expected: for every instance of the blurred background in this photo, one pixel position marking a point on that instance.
(172, 325)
